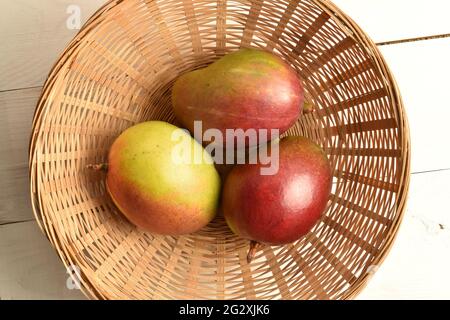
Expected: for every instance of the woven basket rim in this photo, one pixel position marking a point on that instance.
(353, 31)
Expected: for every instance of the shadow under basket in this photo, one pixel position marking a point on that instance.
(119, 70)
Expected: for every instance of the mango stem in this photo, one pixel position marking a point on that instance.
(98, 167)
(254, 247)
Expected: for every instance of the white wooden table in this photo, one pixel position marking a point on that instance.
(33, 33)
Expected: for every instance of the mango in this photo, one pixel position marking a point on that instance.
(155, 186)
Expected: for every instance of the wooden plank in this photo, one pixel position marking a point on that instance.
(421, 70)
(387, 20)
(426, 104)
(29, 267)
(17, 109)
(33, 34)
(417, 266)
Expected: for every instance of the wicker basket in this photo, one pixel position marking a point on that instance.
(119, 70)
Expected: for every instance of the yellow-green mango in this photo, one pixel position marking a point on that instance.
(155, 187)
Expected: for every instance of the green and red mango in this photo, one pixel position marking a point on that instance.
(155, 192)
(247, 89)
(281, 208)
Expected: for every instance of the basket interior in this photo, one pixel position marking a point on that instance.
(119, 71)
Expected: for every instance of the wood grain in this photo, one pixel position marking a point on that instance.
(387, 20)
(29, 267)
(417, 267)
(421, 70)
(15, 128)
(33, 34)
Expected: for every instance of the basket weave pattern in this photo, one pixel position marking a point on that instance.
(119, 70)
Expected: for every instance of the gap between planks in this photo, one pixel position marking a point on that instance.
(437, 36)
(15, 222)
